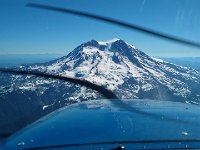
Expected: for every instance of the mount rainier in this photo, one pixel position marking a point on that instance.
(115, 64)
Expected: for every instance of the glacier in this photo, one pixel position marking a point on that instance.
(114, 64)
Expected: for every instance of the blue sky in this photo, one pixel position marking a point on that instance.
(26, 30)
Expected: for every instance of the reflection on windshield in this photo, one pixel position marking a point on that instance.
(111, 125)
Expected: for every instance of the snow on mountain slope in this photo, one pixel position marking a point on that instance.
(115, 64)
(118, 65)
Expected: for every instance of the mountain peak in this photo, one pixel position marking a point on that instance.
(109, 41)
(118, 66)
(102, 45)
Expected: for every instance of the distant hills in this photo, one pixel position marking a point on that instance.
(192, 62)
(10, 60)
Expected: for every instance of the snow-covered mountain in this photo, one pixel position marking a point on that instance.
(121, 67)
(114, 64)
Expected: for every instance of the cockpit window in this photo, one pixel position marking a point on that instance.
(57, 53)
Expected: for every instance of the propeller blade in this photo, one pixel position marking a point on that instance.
(107, 93)
(118, 23)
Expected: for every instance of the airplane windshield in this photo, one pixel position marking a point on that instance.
(60, 53)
